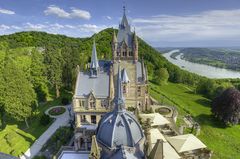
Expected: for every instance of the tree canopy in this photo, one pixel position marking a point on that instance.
(161, 76)
(18, 93)
(226, 107)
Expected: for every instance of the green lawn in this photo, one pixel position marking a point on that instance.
(20, 136)
(224, 141)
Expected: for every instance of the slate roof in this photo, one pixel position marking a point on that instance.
(124, 32)
(123, 153)
(140, 72)
(99, 85)
(119, 127)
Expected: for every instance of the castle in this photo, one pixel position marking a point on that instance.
(95, 89)
(105, 129)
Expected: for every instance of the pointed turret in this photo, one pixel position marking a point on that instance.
(135, 46)
(125, 78)
(157, 151)
(94, 59)
(95, 152)
(124, 22)
(114, 38)
(143, 71)
(114, 46)
(119, 99)
(94, 66)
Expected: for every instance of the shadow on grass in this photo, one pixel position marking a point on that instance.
(28, 139)
(210, 120)
(189, 92)
(204, 102)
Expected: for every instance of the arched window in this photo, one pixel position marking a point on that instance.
(124, 89)
(92, 104)
(130, 53)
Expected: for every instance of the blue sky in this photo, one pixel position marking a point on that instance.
(159, 22)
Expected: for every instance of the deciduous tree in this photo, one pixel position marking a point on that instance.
(19, 95)
(226, 107)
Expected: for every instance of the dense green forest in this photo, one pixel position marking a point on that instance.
(35, 64)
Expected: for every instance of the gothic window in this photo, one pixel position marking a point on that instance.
(81, 103)
(124, 53)
(103, 103)
(139, 90)
(130, 53)
(93, 119)
(124, 89)
(83, 118)
(92, 104)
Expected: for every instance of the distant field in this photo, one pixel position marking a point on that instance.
(218, 57)
(225, 142)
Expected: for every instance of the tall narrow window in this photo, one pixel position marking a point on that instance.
(81, 103)
(139, 91)
(124, 89)
(92, 104)
(83, 118)
(93, 119)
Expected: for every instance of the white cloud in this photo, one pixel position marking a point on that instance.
(4, 27)
(70, 26)
(5, 11)
(75, 13)
(55, 10)
(37, 27)
(91, 28)
(80, 14)
(109, 18)
(209, 25)
(15, 27)
(83, 30)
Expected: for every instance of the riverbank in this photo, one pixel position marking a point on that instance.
(200, 69)
(217, 57)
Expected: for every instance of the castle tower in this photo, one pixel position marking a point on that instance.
(125, 45)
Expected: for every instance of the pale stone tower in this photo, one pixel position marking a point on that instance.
(125, 45)
(125, 54)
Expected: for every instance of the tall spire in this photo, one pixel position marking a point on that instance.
(94, 59)
(114, 38)
(94, 66)
(119, 99)
(124, 22)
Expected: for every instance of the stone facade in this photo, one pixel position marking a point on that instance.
(95, 88)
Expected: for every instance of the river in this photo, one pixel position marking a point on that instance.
(201, 69)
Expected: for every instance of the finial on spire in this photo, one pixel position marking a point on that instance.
(124, 9)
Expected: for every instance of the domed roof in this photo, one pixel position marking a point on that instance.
(119, 127)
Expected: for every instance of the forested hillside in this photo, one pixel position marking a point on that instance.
(35, 64)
